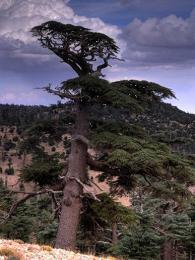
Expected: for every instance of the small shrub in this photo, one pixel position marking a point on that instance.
(19, 241)
(46, 248)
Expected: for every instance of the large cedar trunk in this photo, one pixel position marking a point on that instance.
(72, 201)
(114, 233)
(167, 251)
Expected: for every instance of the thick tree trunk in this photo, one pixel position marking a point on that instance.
(114, 233)
(77, 170)
(167, 250)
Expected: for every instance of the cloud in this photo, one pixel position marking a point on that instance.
(18, 49)
(32, 97)
(168, 41)
(158, 5)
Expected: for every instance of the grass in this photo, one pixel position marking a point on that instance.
(10, 253)
(46, 248)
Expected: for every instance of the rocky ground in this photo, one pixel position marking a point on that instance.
(18, 250)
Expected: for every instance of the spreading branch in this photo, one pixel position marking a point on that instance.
(100, 166)
(96, 185)
(19, 202)
(28, 196)
(75, 46)
(61, 93)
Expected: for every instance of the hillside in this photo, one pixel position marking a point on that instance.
(168, 124)
(162, 122)
(12, 157)
(35, 222)
(18, 250)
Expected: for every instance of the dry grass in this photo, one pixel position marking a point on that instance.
(46, 248)
(11, 253)
(17, 250)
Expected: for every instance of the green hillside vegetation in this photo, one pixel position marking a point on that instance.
(96, 230)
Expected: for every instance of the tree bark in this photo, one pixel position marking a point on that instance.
(114, 233)
(77, 169)
(167, 250)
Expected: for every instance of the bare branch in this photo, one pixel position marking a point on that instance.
(60, 93)
(56, 204)
(54, 191)
(85, 187)
(29, 195)
(19, 202)
(96, 185)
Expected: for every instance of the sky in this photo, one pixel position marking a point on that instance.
(156, 40)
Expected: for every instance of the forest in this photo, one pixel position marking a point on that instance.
(67, 169)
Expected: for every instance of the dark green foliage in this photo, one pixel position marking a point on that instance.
(47, 230)
(139, 162)
(5, 198)
(29, 220)
(21, 115)
(170, 125)
(134, 95)
(137, 94)
(110, 211)
(33, 219)
(75, 45)
(21, 224)
(47, 130)
(29, 145)
(44, 170)
(118, 127)
(140, 242)
(159, 221)
(24, 116)
(97, 220)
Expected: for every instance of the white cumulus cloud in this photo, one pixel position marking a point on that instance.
(17, 17)
(168, 40)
